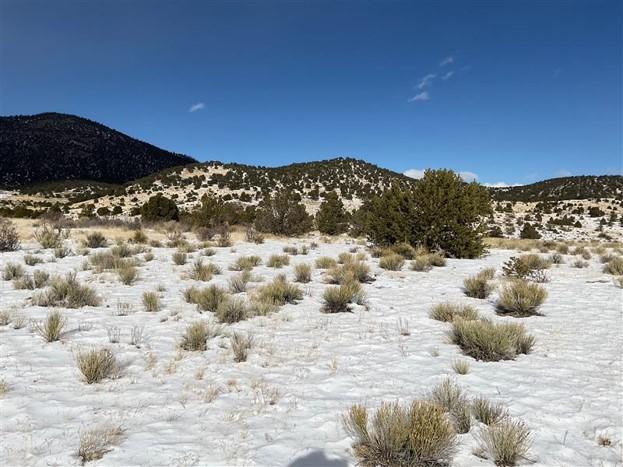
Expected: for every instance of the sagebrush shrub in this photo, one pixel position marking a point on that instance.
(95, 240)
(151, 301)
(450, 397)
(614, 266)
(505, 442)
(477, 286)
(9, 239)
(521, 298)
(246, 263)
(96, 365)
(487, 341)
(12, 271)
(578, 263)
(238, 283)
(32, 260)
(96, 442)
(280, 292)
(68, 292)
(393, 262)
(416, 435)
(526, 266)
(48, 236)
(450, 311)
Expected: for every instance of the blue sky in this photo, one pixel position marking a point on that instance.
(511, 91)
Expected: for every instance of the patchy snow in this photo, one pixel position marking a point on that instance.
(283, 406)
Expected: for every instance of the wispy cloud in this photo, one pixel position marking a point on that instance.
(426, 81)
(447, 61)
(447, 75)
(422, 96)
(501, 184)
(196, 107)
(414, 173)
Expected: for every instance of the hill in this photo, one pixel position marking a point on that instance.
(564, 188)
(52, 146)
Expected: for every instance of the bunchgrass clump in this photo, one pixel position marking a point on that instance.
(450, 397)
(245, 263)
(48, 236)
(151, 301)
(179, 258)
(302, 273)
(238, 283)
(68, 292)
(461, 367)
(127, 273)
(353, 270)
(9, 239)
(207, 299)
(530, 266)
(325, 262)
(393, 262)
(487, 341)
(62, 252)
(486, 412)
(614, 266)
(240, 345)
(450, 311)
(12, 271)
(202, 271)
(196, 336)
(278, 261)
(96, 365)
(579, 264)
(416, 435)
(521, 298)
(51, 327)
(338, 299)
(96, 442)
(478, 286)
(506, 442)
(32, 260)
(232, 310)
(280, 292)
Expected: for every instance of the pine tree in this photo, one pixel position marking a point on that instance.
(159, 208)
(331, 218)
(529, 232)
(283, 214)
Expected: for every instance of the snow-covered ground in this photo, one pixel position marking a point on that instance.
(282, 407)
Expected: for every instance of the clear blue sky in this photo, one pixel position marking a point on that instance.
(513, 91)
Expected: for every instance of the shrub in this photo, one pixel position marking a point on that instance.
(40, 279)
(282, 214)
(618, 281)
(421, 263)
(67, 292)
(95, 240)
(280, 292)
(488, 413)
(332, 218)
(62, 252)
(392, 262)
(461, 367)
(325, 262)
(291, 250)
(32, 260)
(477, 286)
(336, 299)
(240, 345)
(9, 240)
(203, 272)
(128, 274)
(52, 327)
(278, 261)
(525, 266)
(529, 232)
(253, 236)
(159, 208)
(521, 298)
(505, 442)
(448, 312)
(578, 263)
(179, 258)
(196, 336)
(418, 435)
(246, 263)
(139, 237)
(97, 442)
(403, 249)
(12, 271)
(151, 301)
(210, 298)
(485, 340)
(95, 365)
(232, 310)
(302, 273)
(48, 236)
(355, 270)
(238, 283)
(450, 397)
(614, 266)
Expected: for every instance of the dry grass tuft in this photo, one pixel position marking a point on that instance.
(450, 397)
(203, 272)
(151, 301)
(280, 292)
(240, 345)
(418, 435)
(325, 262)
(196, 336)
(232, 310)
(96, 365)
(302, 273)
(179, 258)
(67, 292)
(239, 282)
(278, 261)
(505, 442)
(51, 327)
(478, 286)
(246, 263)
(128, 274)
(614, 266)
(96, 442)
(521, 298)
(448, 312)
(95, 240)
(486, 412)
(12, 271)
(393, 262)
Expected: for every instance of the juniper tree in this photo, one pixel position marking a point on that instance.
(332, 219)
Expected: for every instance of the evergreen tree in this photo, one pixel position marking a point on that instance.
(159, 208)
(391, 217)
(283, 214)
(331, 218)
(529, 232)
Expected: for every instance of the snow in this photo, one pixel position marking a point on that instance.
(283, 406)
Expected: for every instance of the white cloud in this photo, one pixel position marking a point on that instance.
(196, 107)
(426, 81)
(447, 75)
(422, 96)
(414, 173)
(468, 176)
(447, 61)
(563, 173)
(501, 184)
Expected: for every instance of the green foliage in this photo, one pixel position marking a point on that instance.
(283, 214)
(331, 218)
(9, 240)
(159, 208)
(529, 232)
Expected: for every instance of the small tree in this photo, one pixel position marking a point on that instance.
(529, 232)
(332, 219)
(283, 214)
(211, 213)
(9, 240)
(390, 217)
(159, 208)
